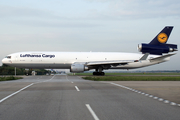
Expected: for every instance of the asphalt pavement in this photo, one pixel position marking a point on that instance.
(63, 97)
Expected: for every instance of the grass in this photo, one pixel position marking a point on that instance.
(124, 74)
(109, 74)
(133, 78)
(9, 78)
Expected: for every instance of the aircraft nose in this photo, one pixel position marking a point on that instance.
(4, 61)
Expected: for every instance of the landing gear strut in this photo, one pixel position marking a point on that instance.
(99, 71)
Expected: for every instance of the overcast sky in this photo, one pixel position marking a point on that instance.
(87, 25)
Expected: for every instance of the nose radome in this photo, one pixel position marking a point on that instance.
(4, 61)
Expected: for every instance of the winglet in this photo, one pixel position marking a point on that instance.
(144, 57)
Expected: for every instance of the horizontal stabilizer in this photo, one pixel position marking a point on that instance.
(161, 57)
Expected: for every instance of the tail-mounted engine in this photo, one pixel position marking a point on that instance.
(157, 49)
(158, 45)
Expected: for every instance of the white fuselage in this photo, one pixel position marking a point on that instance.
(64, 60)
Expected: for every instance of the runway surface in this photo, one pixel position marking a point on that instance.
(63, 97)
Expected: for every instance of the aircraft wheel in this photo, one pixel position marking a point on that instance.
(94, 73)
(102, 73)
(99, 73)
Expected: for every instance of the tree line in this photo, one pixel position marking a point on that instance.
(8, 70)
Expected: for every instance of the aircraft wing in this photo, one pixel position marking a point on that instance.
(116, 62)
(94, 63)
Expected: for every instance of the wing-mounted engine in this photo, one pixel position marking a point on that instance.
(157, 49)
(78, 68)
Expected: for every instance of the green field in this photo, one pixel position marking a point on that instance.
(9, 78)
(132, 77)
(124, 74)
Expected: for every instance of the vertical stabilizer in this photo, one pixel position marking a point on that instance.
(163, 36)
(158, 45)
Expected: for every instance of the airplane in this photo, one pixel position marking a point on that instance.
(154, 52)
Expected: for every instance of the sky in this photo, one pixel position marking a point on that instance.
(87, 25)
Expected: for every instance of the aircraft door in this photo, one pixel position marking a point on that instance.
(16, 58)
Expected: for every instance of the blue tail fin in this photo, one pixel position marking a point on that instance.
(158, 45)
(163, 36)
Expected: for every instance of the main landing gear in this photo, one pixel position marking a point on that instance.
(99, 71)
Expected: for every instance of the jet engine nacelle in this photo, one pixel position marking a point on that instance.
(157, 49)
(78, 68)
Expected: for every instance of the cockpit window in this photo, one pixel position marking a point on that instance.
(9, 57)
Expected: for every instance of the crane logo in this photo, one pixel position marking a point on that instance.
(162, 37)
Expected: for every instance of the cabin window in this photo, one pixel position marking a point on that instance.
(9, 57)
